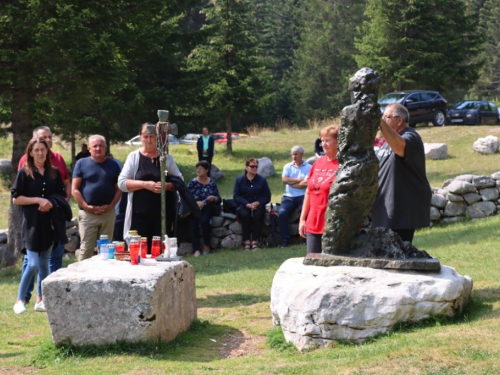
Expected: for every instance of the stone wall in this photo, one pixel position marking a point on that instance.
(466, 197)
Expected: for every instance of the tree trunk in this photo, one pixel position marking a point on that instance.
(73, 151)
(22, 133)
(229, 133)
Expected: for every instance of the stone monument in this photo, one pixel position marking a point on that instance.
(354, 191)
(317, 305)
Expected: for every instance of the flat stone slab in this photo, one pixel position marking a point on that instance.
(101, 302)
(327, 260)
(317, 305)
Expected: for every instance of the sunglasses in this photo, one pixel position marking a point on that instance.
(253, 166)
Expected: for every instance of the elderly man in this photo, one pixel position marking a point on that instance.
(96, 191)
(295, 179)
(55, 260)
(404, 194)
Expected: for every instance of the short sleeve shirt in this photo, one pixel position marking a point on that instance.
(321, 177)
(404, 194)
(98, 180)
(290, 170)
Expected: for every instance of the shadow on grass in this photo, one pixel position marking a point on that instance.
(202, 343)
(232, 300)
(10, 355)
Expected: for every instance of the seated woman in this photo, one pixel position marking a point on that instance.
(251, 193)
(141, 179)
(204, 190)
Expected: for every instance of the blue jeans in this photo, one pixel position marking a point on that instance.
(288, 205)
(55, 263)
(35, 261)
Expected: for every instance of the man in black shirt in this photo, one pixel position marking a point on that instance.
(404, 194)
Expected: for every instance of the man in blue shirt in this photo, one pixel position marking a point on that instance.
(96, 191)
(205, 147)
(294, 177)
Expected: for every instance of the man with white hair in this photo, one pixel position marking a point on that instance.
(294, 177)
(96, 191)
(404, 195)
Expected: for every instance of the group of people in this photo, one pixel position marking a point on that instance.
(42, 189)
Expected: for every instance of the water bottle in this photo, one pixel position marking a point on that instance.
(103, 239)
(104, 251)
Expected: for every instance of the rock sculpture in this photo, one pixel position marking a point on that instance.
(354, 191)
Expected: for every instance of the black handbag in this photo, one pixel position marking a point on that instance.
(229, 206)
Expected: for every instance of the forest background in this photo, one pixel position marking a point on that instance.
(91, 66)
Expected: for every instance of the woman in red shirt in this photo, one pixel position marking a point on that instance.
(321, 177)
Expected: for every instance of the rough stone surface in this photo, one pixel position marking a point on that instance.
(219, 232)
(435, 213)
(453, 219)
(316, 305)
(481, 182)
(455, 209)
(232, 241)
(5, 167)
(436, 151)
(438, 201)
(100, 302)
(460, 187)
(455, 197)
(487, 145)
(185, 248)
(236, 228)
(72, 245)
(215, 172)
(217, 221)
(480, 210)
(3, 237)
(465, 177)
(471, 198)
(496, 176)
(489, 194)
(266, 167)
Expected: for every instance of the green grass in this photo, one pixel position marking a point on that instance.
(233, 300)
(233, 294)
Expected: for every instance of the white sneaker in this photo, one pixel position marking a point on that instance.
(19, 308)
(39, 306)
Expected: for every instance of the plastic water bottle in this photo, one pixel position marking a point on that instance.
(104, 251)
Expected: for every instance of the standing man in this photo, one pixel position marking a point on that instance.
(55, 260)
(294, 177)
(404, 195)
(85, 153)
(95, 189)
(205, 147)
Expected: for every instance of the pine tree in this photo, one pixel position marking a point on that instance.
(228, 65)
(420, 44)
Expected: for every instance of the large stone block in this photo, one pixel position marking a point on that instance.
(100, 302)
(316, 305)
(436, 151)
(486, 145)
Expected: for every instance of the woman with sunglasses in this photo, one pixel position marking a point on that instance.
(251, 193)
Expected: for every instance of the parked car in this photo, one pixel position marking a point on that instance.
(189, 139)
(222, 137)
(136, 141)
(424, 106)
(473, 112)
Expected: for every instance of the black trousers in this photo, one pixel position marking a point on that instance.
(251, 222)
(405, 234)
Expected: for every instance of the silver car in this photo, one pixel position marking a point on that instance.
(189, 139)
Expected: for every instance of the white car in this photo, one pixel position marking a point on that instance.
(136, 141)
(190, 139)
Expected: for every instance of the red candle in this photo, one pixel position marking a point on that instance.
(134, 252)
(155, 247)
(144, 247)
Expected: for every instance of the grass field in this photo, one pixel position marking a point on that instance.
(233, 307)
(233, 298)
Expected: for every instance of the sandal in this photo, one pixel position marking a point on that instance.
(247, 245)
(255, 245)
